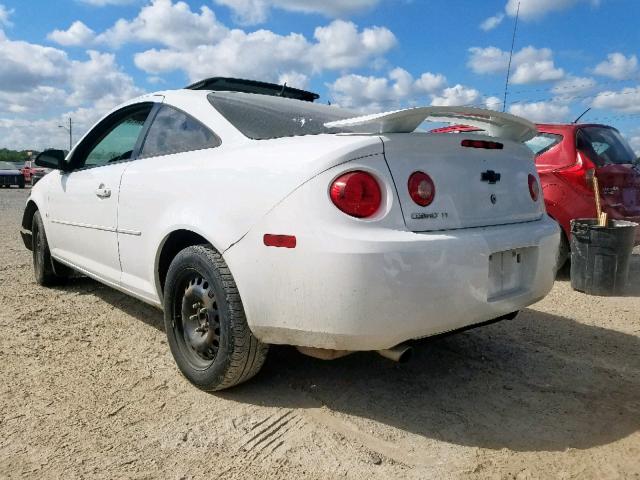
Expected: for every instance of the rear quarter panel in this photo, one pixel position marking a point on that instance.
(218, 193)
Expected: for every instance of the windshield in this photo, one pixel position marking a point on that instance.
(605, 146)
(262, 117)
(8, 166)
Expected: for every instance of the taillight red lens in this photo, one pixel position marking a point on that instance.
(356, 193)
(421, 188)
(534, 188)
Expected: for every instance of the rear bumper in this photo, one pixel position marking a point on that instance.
(353, 293)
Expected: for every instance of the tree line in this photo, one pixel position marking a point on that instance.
(7, 155)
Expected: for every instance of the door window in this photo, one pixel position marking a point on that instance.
(173, 131)
(114, 139)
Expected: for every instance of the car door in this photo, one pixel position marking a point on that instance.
(176, 151)
(83, 199)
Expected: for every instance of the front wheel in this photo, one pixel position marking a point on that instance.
(206, 326)
(47, 271)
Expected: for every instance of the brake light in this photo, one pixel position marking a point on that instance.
(482, 144)
(356, 193)
(421, 188)
(534, 188)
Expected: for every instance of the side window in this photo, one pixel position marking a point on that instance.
(173, 131)
(119, 140)
(543, 143)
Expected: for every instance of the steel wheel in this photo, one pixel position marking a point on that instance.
(204, 319)
(196, 321)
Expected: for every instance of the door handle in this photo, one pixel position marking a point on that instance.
(103, 192)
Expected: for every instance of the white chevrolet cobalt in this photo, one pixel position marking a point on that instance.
(254, 216)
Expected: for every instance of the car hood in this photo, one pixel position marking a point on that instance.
(10, 172)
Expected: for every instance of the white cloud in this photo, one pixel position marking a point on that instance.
(536, 9)
(257, 11)
(488, 60)
(166, 23)
(384, 93)
(340, 45)
(529, 65)
(626, 100)
(456, 96)
(492, 22)
(294, 79)
(493, 103)
(541, 111)
(24, 66)
(571, 87)
(99, 81)
(267, 55)
(618, 66)
(4, 15)
(77, 34)
(39, 85)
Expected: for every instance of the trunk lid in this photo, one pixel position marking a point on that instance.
(463, 199)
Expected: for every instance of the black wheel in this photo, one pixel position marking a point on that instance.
(47, 270)
(205, 322)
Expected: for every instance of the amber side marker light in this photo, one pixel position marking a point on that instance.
(281, 241)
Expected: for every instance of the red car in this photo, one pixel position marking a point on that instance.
(567, 158)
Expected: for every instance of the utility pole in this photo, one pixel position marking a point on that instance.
(70, 130)
(513, 41)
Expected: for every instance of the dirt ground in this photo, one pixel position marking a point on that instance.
(88, 389)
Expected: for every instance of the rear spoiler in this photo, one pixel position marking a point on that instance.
(495, 124)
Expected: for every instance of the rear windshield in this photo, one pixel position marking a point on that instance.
(261, 117)
(605, 146)
(543, 143)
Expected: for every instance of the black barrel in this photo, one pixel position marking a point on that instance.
(600, 256)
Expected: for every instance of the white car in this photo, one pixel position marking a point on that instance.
(254, 220)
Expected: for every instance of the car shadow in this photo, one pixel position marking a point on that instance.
(537, 383)
(540, 382)
(81, 285)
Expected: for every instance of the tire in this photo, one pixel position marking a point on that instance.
(47, 271)
(206, 326)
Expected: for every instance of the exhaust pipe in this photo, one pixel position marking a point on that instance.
(400, 353)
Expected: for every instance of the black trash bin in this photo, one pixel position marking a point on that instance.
(600, 256)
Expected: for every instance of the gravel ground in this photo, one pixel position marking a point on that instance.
(88, 389)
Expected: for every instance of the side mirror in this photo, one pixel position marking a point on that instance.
(51, 159)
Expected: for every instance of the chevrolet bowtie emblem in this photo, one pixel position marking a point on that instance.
(490, 176)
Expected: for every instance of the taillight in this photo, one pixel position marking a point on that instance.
(356, 193)
(421, 188)
(534, 188)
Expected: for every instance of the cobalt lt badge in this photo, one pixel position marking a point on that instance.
(493, 198)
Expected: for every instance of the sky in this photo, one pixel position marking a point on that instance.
(80, 58)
